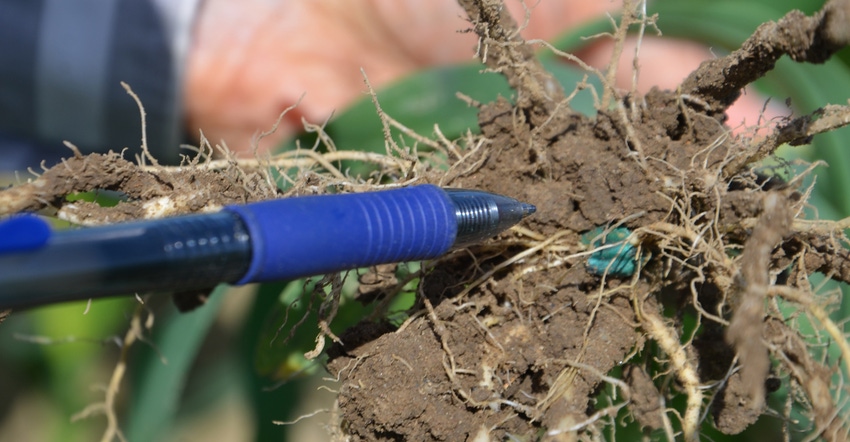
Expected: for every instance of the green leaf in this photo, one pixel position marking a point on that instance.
(724, 24)
(159, 386)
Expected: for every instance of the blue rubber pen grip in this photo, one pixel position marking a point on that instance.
(314, 235)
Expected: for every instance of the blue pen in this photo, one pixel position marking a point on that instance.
(274, 240)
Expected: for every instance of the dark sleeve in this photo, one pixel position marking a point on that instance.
(61, 64)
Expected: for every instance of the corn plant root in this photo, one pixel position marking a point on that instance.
(516, 338)
(519, 332)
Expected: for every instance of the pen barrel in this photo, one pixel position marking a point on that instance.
(314, 235)
(175, 254)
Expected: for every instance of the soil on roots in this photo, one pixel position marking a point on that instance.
(509, 339)
(515, 338)
(523, 352)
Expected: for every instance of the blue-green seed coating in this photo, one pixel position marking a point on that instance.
(620, 259)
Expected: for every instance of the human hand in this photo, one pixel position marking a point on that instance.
(254, 58)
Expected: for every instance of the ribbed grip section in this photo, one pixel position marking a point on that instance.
(173, 254)
(305, 236)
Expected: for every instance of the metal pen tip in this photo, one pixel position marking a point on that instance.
(481, 215)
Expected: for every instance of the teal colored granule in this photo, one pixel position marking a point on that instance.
(620, 259)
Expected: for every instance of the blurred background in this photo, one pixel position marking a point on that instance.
(217, 373)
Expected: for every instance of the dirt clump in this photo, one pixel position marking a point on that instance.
(522, 352)
(145, 192)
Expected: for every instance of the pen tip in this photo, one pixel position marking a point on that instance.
(528, 209)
